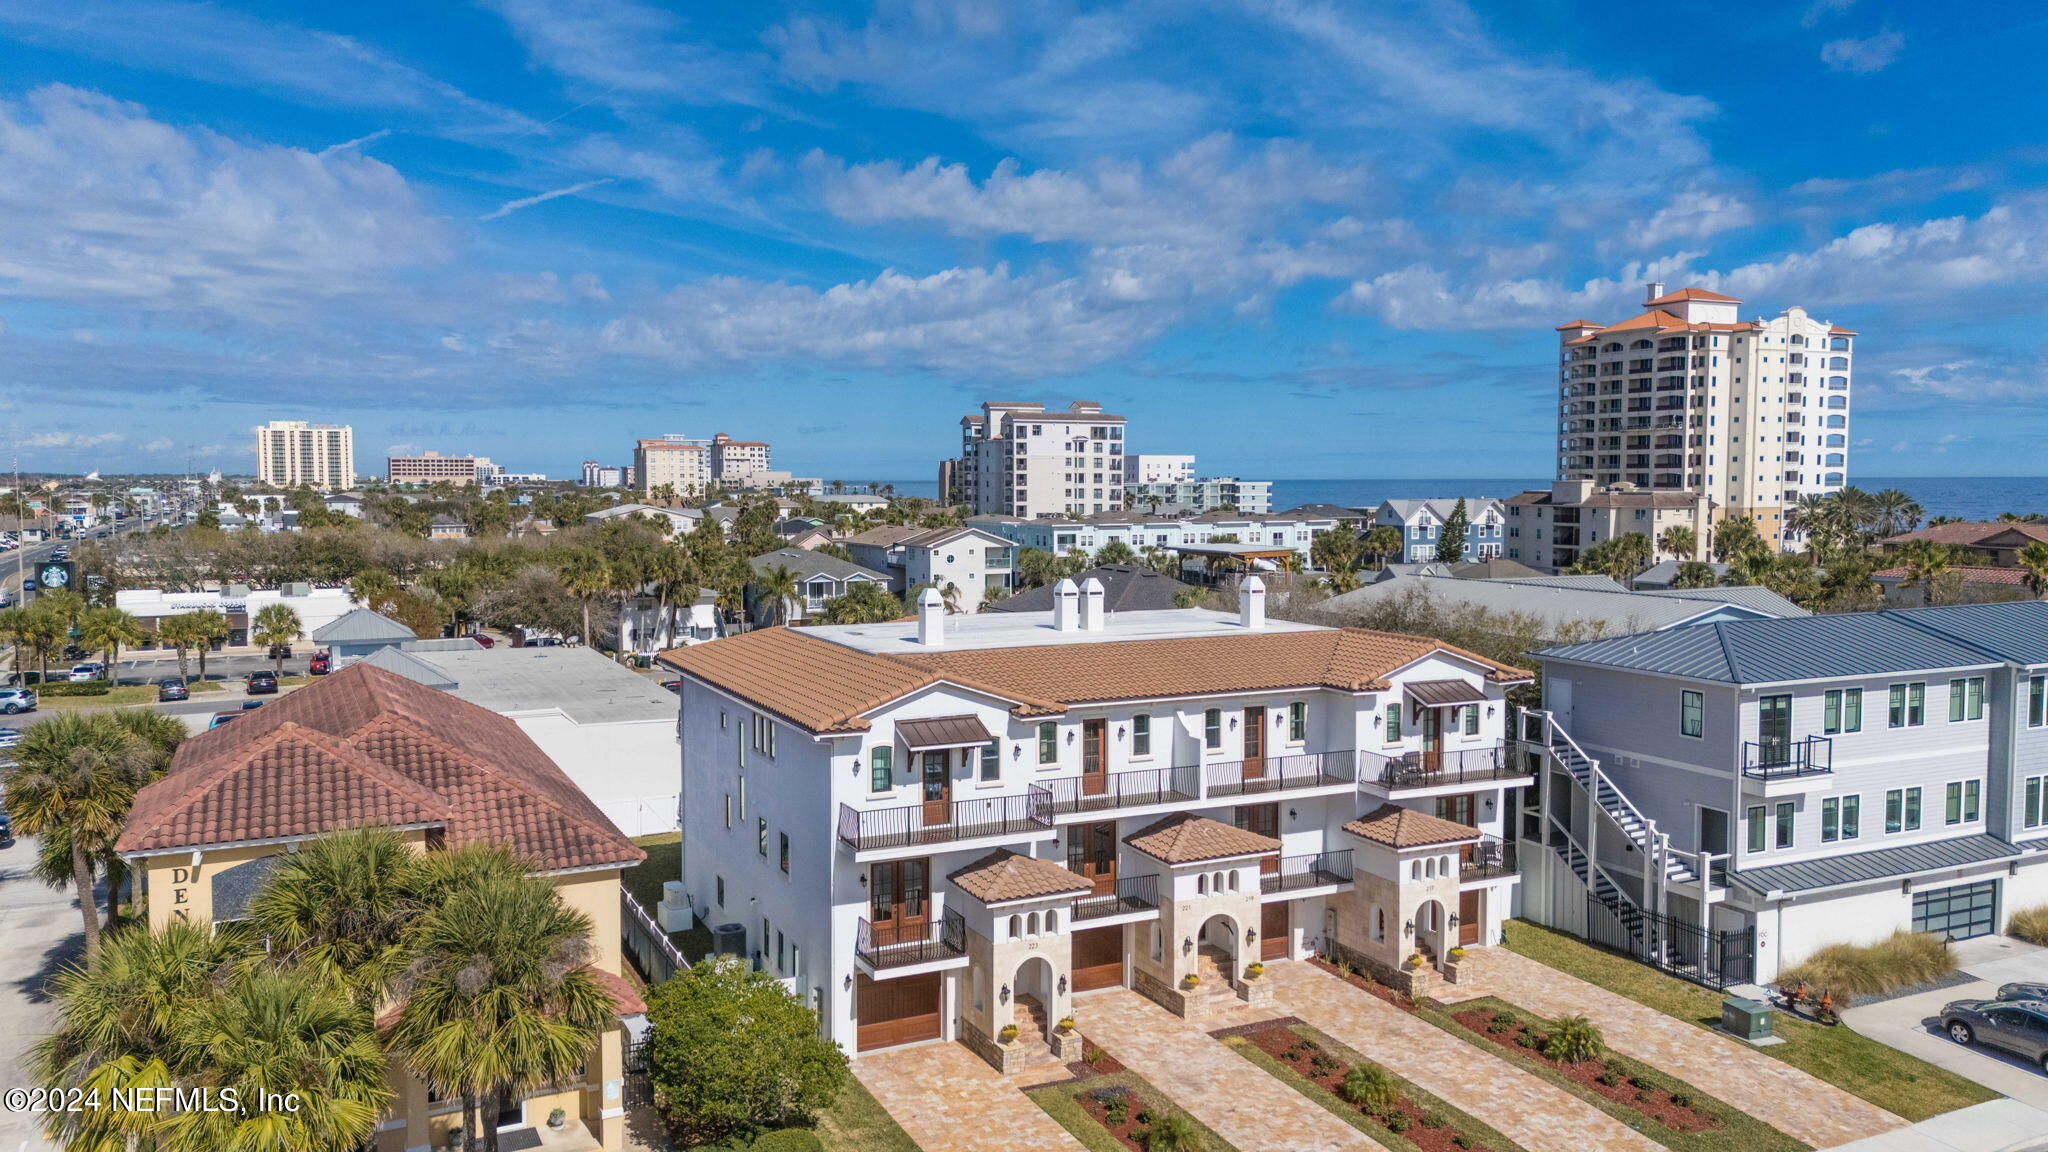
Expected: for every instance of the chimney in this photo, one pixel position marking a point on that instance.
(1066, 606)
(1251, 602)
(931, 619)
(1654, 288)
(1092, 616)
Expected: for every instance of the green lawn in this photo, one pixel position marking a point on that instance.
(856, 1122)
(664, 863)
(1892, 1080)
(1062, 1103)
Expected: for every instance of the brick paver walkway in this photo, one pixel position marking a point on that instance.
(1252, 1110)
(1798, 1104)
(1535, 1114)
(949, 1101)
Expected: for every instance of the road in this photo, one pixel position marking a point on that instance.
(39, 932)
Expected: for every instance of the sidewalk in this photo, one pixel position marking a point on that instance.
(1996, 1126)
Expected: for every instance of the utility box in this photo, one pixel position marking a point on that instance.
(673, 913)
(1749, 1019)
(729, 939)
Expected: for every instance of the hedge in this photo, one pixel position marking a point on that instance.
(75, 688)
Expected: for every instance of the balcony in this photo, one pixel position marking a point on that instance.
(941, 822)
(1133, 894)
(1490, 859)
(1111, 791)
(1788, 759)
(1282, 773)
(1413, 770)
(880, 947)
(1300, 873)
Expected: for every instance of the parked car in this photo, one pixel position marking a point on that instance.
(220, 718)
(2023, 990)
(675, 686)
(249, 705)
(172, 689)
(545, 642)
(2019, 1027)
(6, 831)
(262, 683)
(280, 651)
(74, 653)
(90, 670)
(321, 664)
(13, 700)
(482, 639)
(28, 584)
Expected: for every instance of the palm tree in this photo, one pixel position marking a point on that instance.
(778, 585)
(277, 625)
(106, 630)
(1115, 552)
(1926, 562)
(1694, 574)
(1895, 511)
(76, 775)
(65, 605)
(1680, 542)
(586, 576)
(210, 628)
(668, 572)
(277, 1033)
(1383, 541)
(181, 633)
(2033, 563)
(1734, 537)
(371, 586)
(340, 906)
(499, 1000)
(15, 627)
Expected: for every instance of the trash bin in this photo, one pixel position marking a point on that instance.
(1749, 1019)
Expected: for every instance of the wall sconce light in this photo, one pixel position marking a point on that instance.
(1063, 984)
(1005, 994)
(1279, 718)
(863, 880)
(1187, 945)
(1070, 735)
(1233, 723)
(1408, 929)
(1293, 815)
(1119, 731)
(1377, 719)
(1452, 920)
(856, 766)
(847, 983)
(1490, 711)
(1250, 936)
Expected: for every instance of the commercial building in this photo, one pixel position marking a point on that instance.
(1547, 529)
(938, 828)
(365, 746)
(693, 466)
(1685, 396)
(1021, 459)
(1421, 525)
(1731, 797)
(316, 607)
(434, 468)
(1204, 495)
(290, 453)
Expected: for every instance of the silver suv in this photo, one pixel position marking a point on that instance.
(14, 700)
(2018, 1026)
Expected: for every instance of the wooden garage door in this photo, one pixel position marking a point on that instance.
(899, 1011)
(1098, 958)
(1273, 931)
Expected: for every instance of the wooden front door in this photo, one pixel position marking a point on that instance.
(1254, 743)
(899, 901)
(1091, 853)
(1432, 739)
(1094, 757)
(1273, 930)
(936, 787)
(1263, 819)
(1469, 919)
(900, 1011)
(1098, 958)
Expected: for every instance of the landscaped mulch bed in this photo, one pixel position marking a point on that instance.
(1361, 980)
(1675, 1111)
(1113, 1112)
(1423, 1125)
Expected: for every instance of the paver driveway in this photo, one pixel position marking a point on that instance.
(1537, 1115)
(1771, 1090)
(949, 1101)
(1245, 1106)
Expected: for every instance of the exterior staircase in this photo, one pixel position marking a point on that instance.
(1032, 1027)
(1215, 993)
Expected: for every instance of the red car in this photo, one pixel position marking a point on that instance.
(320, 665)
(482, 639)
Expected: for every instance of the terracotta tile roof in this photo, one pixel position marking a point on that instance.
(1650, 319)
(825, 687)
(1970, 533)
(1969, 574)
(626, 999)
(1838, 330)
(1398, 827)
(365, 746)
(1185, 838)
(1692, 294)
(1575, 324)
(1004, 875)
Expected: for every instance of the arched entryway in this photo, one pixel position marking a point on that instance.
(1432, 930)
(1217, 949)
(1034, 997)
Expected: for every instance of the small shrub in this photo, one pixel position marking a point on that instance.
(1610, 1078)
(1066, 1023)
(1503, 1017)
(2031, 925)
(1396, 1121)
(1682, 1099)
(1646, 1097)
(1370, 1088)
(1643, 1082)
(1462, 1140)
(1498, 1027)
(1174, 1133)
(1432, 1119)
(1322, 1064)
(1575, 1040)
(1849, 970)
(1106, 1096)
(1008, 1033)
(1145, 1117)
(1525, 1040)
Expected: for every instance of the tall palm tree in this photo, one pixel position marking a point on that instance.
(1926, 562)
(77, 775)
(1383, 541)
(586, 576)
(107, 630)
(1733, 537)
(1895, 511)
(340, 906)
(1694, 574)
(669, 573)
(15, 627)
(2033, 564)
(1680, 542)
(66, 605)
(211, 628)
(779, 586)
(182, 634)
(279, 1033)
(277, 625)
(371, 587)
(498, 1000)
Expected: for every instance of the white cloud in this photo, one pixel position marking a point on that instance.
(511, 206)
(1865, 55)
(101, 204)
(1818, 10)
(617, 47)
(70, 439)
(1693, 214)
(161, 444)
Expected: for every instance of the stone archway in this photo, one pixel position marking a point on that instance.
(1432, 930)
(1035, 997)
(1217, 948)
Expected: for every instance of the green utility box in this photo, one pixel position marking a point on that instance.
(1749, 1019)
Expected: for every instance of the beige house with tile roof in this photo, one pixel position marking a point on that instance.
(939, 827)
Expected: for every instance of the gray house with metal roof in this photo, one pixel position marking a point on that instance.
(819, 577)
(1725, 799)
(1567, 607)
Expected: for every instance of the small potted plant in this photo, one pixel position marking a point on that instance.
(1190, 981)
(1008, 1033)
(1415, 960)
(1458, 953)
(1254, 970)
(1066, 1023)
(557, 1119)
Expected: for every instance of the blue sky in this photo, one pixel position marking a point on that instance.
(1298, 239)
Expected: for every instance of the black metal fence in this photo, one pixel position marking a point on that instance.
(1315, 871)
(1132, 894)
(1691, 951)
(1134, 789)
(943, 822)
(894, 944)
(1429, 769)
(1281, 773)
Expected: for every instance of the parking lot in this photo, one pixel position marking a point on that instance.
(1912, 1023)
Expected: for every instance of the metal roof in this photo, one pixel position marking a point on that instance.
(1611, 609)
(411, 667)
(943, 732)
(1879, 864)
(362, 626)
(807, 563)
(1125, 588)
(1828, 646)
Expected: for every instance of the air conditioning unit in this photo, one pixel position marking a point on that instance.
(729, 939)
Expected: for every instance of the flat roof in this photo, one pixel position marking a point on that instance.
(1025, 629)
(586, 686)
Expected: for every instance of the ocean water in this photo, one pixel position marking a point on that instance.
(1970, 497)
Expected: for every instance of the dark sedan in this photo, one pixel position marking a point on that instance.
(172, 689)
(2018, 1026)
(2023, 990)
(262, 683)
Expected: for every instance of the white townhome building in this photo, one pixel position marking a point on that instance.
(940, 827)
(1739, 794)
